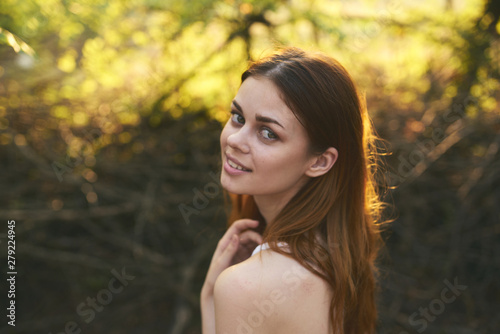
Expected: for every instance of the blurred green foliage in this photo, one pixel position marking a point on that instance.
(110, 113)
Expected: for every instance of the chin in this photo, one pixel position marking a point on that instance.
(230, 186)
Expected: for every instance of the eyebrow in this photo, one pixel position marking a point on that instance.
(259, 118)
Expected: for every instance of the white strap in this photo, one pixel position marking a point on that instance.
(265, 246)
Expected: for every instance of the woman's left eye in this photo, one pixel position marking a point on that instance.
(268, 134)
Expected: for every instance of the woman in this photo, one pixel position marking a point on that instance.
(298, 162)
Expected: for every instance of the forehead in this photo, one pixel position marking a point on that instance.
(261, 96)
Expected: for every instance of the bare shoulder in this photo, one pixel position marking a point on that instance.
(271, 293)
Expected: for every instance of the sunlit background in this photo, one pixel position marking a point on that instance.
(110, 113)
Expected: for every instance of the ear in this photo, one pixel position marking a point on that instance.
(322, 163)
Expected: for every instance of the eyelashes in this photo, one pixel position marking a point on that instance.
(268, 134)
(264, 132)
(237, 118)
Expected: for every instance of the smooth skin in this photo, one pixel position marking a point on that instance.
(271, 294)
(265, 153)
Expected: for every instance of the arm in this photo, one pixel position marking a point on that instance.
(235, 246)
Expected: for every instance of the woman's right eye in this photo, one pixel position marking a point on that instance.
(237, 118)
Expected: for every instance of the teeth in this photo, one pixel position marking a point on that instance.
(232, 164)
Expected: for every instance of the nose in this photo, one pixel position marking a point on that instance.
(238, 140)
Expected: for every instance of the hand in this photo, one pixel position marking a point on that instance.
(234, 247)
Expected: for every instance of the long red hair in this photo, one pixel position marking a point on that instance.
(332, 224)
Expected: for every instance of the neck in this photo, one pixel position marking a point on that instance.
(270, 206)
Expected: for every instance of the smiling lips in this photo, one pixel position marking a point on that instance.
(232, 164)
(236, 164)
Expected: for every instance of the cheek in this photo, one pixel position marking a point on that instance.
(282, 162)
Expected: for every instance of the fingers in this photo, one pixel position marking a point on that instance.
(236, 228)
(222, 261)
(228, 253)
(250, 236)
(242, 224)
(238, 238)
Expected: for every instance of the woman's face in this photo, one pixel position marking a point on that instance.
(264, 147)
